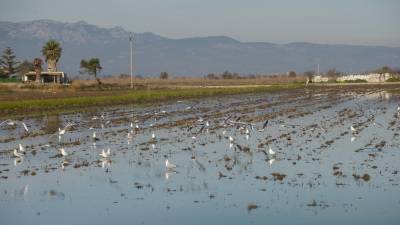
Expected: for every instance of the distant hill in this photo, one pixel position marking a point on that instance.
(187, 56)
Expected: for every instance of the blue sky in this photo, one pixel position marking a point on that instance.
(369, 22)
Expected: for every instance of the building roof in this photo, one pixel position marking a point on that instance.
(58, 73)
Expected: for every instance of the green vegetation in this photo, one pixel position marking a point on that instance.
(91, 67)
(393, 79)
(9, 80)
(141, 96)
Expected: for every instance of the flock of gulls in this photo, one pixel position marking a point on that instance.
(293, 129)
(202, 125)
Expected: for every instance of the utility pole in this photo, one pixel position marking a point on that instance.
(130, 45)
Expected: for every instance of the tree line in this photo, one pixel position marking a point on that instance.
(51, 51)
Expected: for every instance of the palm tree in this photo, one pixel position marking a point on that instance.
(37, 63)
(92, 67)
(52, 53)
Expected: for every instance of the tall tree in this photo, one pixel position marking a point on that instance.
(52, 53)
(332, 73)
(91, 67)
(8, 62)
(2, 73)
(385, 69)
(309, 75)
(37, 62)
(292, 74)
(164, 75)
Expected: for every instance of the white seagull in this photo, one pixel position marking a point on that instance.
(21, 148)
(25, 127)
(153, 135)
(105, 154)
(231, 139)
(61, 131)
(169, 165)
(8, 122)
(17, 154)
(63, 152)
(271, 161)
(271, 152)
(353, 129)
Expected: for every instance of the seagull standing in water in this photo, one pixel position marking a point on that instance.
(63, 152)
(21, 149)
(169, 166)
(271, 161)
(271, 152)
(353, 129)
(105, 154)
(95, 138)
(17, 154)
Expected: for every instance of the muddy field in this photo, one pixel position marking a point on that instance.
(306, 156)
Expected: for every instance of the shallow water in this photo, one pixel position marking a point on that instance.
(322, 171)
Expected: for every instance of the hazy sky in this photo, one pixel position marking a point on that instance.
(375, 22)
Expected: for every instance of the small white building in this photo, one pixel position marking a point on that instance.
(319, 79)
(372, 77)
(46, 77)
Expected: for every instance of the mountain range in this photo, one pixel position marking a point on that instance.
(186, 56)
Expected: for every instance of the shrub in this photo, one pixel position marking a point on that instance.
(164, 75)
(9, 80)
(393, 79)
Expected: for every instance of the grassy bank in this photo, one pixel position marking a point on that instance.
(39, 106)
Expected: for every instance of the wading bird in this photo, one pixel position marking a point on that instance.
(25, 127)
(271, 152)
(21, 148)
(17, 154)
(63, 152)
(105, 154)
(169, 165)
(352, 129)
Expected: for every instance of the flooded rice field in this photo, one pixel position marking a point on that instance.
(307, 156)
